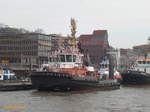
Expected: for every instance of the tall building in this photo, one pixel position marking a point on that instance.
(24, 49)
(95, 45)
(127, 59)
(59, 42)
(142, 50)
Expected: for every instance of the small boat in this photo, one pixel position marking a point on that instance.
(7, 74)
(139, 74)
(9, 81)
(104, 71)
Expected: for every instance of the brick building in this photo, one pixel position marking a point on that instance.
(95, 45)
(24, 49)
(142, 50)
(127, 59)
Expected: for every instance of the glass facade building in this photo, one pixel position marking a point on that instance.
(24, 49)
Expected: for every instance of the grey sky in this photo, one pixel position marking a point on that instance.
(127, 21)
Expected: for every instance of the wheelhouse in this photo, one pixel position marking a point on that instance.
(142, 65)
(65, 58)
(143, 61)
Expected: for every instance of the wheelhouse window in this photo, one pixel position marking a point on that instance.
(62, 58)
(55, 59)
(69, 58)
(144, 62)
(102, 66)
(148, 62)
(50, 59)
(105, 65)
(58, 58)
(74, 58)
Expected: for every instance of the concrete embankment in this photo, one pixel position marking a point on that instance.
(14, 85)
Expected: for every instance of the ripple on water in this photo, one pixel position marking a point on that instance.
(126, 99)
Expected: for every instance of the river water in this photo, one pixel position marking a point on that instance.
(125, 99)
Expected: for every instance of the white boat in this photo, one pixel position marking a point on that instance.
(104, 71)
(7, 74)
(142, 65)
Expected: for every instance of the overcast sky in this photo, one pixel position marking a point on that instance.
(127, 21)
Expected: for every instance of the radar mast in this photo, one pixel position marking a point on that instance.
(72, 37)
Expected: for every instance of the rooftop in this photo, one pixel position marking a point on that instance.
(20, 34)
(96, 34)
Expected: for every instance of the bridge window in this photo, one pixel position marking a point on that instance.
(69, 58)
(74, 58)
(102, 66)
(50, 59)
(105, 65)
(144, 62)
(55, 59)
(148, 62)
(62, 58)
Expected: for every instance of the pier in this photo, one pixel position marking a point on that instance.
(14, 85)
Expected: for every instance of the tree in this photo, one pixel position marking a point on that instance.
(38, 30)
(5, 29)
(11, 30)
(3, 25)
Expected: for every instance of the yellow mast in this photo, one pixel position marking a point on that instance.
(72, 37)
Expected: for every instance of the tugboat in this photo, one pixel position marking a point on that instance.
(68, 70)
(139, 74)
